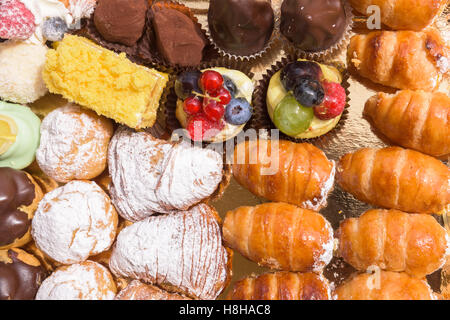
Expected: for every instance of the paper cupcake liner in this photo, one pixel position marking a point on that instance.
(150, 54)
(171, 121)
(329, 53)
(261, 120)
(257, 55)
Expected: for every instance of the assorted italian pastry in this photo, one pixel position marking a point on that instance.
(396, 178)
(97, 204)
(416, 120)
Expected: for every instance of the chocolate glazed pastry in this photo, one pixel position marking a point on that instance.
(241, 27)
(121, 21)
(21, 274)
(313, 25)
(179, 40)
(19, 195)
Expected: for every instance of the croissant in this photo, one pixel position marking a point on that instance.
(413, 119)
(282, 286)
(137, 290)
(393, 240)
(396, 178)
(284, 171)
(150, 175)
(180, 252)
(280, 236)
(384, 285)
(404, 14)
(401, 59)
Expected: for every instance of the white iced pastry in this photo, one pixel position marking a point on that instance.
(74, 222)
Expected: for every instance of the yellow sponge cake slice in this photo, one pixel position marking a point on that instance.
(104, 81)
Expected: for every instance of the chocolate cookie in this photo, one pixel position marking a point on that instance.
(121, 21)
(241, 27)
(313, 25)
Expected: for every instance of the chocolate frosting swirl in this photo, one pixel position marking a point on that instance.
(16, 190)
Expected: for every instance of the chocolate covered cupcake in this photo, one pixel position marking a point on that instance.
(241, 28)
(19, 197)
(314, 27)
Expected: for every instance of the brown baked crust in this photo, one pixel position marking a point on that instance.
(29, 210)
(394, 241)
(401, 59)
(281, 286)
(404, 14)
(396, 178)
(280, 236)
(413, 119)
(302, 175)
(393, 286)
(137, 290)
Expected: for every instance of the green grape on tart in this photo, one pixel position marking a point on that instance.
(305, 99)
(213, 104)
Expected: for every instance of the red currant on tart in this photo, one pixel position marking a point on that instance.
(192, 105)
(210, 104)
(211, 81)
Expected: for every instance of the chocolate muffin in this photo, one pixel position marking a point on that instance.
(19, 197)
(312, 25)
(241, 27)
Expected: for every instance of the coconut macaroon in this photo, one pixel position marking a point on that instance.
(84, 281)
(21, 71)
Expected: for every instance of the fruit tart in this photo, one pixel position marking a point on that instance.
(305, 99)
(213, 104)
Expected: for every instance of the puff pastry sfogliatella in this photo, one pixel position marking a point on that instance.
(155, 176)
(180, 252)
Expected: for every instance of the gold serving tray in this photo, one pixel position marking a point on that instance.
(354, 134)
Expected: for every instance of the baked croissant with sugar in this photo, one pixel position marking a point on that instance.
(404, 14)
(413, 119)
(396, 178)
(151, 176)
(400, 59)
(284, 171)
(280, 236)
(282, 286)
(180, 252)
(384, 285)
(393, 240)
